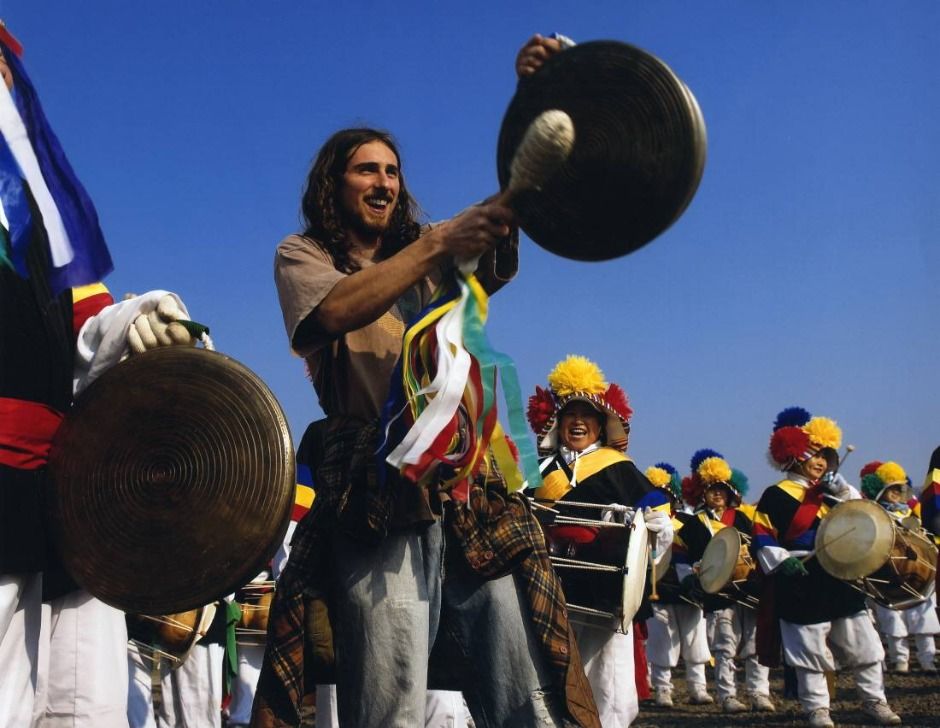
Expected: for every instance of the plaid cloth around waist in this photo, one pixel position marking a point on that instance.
(298, 623)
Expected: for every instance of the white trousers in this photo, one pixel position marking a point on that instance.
(608, 664)
(444, 709)
(735, 635)
(20, 629)
(676, 629)
(250, 657)
(192, 693)
(140, 712)
(813, 649)
(919, 621)
(83, 665)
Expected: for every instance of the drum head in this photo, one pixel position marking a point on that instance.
(638, 155)
(173, 480)
(719, 559)
(634, 579)
(854, 540)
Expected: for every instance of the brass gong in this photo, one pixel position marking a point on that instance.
(173, 480)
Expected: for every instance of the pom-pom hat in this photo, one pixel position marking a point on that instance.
(711, 470)
(578, 378)
(665, 476)
(798, 436)
(877, 477)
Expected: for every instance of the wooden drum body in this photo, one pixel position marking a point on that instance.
(727, 567)
(602, 566)
(893, 564)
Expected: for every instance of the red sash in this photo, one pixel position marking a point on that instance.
(26, 432)
(805, 515)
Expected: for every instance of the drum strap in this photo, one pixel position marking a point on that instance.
(805, 514)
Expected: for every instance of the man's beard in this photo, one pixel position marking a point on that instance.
(364, 226)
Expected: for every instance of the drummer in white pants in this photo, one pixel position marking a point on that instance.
(730, 618)
(581, 423)
(677, 626)
(888, 485)
(823, 621)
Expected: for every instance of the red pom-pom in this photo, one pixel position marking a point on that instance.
(617, 400)
(541, 408)
(789, 443)
(692, 490)
(870, 468)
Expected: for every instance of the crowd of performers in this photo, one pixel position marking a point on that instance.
(400, 603)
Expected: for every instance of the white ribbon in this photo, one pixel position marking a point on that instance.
(447, 388)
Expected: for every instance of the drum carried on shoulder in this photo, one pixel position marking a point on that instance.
(894, 564)
(602, 562)
(727, 568)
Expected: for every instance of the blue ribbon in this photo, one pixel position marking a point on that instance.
(92, 261)
(16, 206)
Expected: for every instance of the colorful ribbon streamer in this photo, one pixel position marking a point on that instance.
(441, 416)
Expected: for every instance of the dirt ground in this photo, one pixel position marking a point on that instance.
(915, 697)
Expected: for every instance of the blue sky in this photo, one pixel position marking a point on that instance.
(804, 271)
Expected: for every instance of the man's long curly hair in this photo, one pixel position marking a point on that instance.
(320, 205)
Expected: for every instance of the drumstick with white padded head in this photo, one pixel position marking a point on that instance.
(544, 148)
(849, 449)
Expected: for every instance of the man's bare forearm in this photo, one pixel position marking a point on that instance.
(363, 296)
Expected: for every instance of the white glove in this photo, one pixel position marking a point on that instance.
(659, 524)
(159, 328)
(656, 521)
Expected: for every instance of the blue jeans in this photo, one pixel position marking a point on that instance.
(393, 600)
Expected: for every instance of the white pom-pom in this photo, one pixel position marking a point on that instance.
(545, 146)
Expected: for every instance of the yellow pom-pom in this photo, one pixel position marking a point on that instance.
(823, 432)
(577, 374)
(657, 476)
(714, 470)
(891, 473)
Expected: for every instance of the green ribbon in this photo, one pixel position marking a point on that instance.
(233, 614)
(478, 344)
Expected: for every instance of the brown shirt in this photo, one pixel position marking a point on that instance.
(350, 373)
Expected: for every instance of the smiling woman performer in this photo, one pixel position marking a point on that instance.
(582, 427)
(816, 611)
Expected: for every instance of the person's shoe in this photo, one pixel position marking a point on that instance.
(819, 718)
(733, 705)
(901, 667)
(880, 712)
(762, 703)
(698, 695)
(663, 698)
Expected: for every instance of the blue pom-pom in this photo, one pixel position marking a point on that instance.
(739, 481)
(792, 417)
(703, 454)
(667, 467)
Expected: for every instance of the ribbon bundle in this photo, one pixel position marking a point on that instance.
(442, 408)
